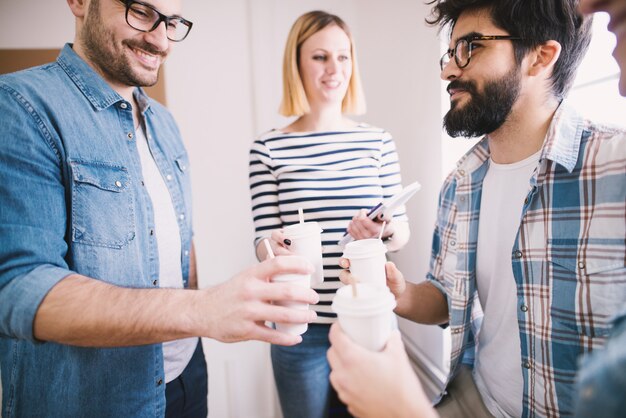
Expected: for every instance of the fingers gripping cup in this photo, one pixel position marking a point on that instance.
(367, 317)
(303, 280)
(367, 261)
(306, 241)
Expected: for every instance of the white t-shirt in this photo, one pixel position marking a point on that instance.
(498, 367)
(176, 354)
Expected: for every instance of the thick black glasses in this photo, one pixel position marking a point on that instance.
(145, 18)
(462, 51)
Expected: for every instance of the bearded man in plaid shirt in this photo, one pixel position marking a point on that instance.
(528, 264)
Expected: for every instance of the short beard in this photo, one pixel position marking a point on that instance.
(98, 42)
(485, 112)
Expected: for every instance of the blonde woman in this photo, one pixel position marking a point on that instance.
(332, 167)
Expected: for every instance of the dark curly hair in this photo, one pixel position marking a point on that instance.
(535, 21)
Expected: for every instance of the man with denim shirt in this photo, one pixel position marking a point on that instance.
(95, 224)
(530, 226)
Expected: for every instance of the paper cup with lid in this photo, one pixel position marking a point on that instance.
(303, 280)
(368, 317)
(306, 241)
(367, 261)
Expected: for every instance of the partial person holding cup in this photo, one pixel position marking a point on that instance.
(328, 165)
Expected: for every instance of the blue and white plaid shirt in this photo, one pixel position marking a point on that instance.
(568, 260)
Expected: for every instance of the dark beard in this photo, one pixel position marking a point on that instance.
(484, 112)
(97, 40)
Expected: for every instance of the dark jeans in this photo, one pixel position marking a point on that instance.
(301, 375)
(186, 396)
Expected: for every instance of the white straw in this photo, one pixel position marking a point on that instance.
(268, 247)
(301, 215)
(382, 229)
(353, 285)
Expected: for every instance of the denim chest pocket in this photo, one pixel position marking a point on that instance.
(593, 283)
(102, 204)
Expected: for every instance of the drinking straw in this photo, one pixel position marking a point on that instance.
(268, 247)
(301, 215)
(382, 229)
(353, 285)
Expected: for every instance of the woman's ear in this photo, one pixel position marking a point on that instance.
(543, 57)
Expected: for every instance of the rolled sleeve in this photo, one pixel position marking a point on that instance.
(24, 295)
(33, 214)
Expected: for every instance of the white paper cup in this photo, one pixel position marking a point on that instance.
(367, 261)
(306, 241)
(368, 318)
(303, 280)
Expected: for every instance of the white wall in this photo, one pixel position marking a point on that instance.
(223, 86)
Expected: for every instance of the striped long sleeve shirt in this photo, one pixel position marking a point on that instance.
(330, 175)
(568, 259)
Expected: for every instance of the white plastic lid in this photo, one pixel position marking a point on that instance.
(364, 248)
(300, 230)
(370, 300)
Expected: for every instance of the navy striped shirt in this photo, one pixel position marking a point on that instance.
(330, 175)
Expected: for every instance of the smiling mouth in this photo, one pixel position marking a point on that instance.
(333, 84)
(147, 59)
(454, 92)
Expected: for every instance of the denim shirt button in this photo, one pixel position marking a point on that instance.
(524, 308)
(130, 135)
(186, 253)
(182, 216)
(159, 382)
(118, 183)
(123, 105)
(154, 282)
(151, 231)
(169, 177)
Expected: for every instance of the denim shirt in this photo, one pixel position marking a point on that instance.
(73, 201)
(602, 379)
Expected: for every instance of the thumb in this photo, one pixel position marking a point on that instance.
(395, 278)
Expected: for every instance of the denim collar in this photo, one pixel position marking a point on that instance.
(92, 85)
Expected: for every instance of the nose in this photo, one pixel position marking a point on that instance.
(450, 71)
(331, 65)
(158, 37)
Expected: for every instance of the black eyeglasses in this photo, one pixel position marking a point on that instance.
(462, 51)
(145, 18)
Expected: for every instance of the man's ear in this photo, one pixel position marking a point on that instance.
(543, 57)
(78, 7)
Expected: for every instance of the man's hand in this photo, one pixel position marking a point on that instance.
(395, 278)
(376, 384)
(238, 309)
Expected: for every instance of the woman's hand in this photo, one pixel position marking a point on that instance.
(279, 243)
(362, 227)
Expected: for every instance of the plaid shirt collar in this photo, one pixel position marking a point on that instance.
(561, 145)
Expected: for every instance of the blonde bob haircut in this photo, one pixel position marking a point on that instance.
(294, 102)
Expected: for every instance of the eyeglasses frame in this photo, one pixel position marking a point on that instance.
(469, 41)
(162, 18)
